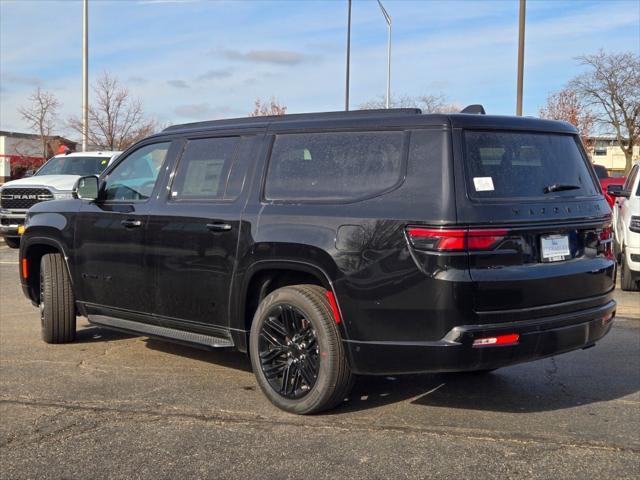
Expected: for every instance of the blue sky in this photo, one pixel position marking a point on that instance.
(203, 59)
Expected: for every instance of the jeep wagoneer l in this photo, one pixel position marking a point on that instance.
(336, 244)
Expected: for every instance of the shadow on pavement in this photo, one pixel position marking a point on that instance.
(607, 372)
(93, 334)
(223, 357)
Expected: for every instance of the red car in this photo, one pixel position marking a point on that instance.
(606, 180)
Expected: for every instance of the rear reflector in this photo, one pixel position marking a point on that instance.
(455, 240)
(608, 317)
(25, 269)
(500, 340)
(334, 306)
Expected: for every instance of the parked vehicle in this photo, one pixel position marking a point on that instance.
(626, 223)
(52, 181)
(335, 244)
(606, 180)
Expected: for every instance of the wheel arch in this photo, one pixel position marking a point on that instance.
(33, 251)
(265, 276)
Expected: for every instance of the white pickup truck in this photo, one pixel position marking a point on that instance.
(626, 225)
(53, 181)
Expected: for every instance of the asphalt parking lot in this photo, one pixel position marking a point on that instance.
(118, 406)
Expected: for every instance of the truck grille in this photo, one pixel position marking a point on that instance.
(22, 198)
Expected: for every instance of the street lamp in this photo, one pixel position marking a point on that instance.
(346, 86)
(521, 22)
(388, 20)
(85, 75)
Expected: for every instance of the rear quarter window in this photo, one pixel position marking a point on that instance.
(334, 167)
(501, 164)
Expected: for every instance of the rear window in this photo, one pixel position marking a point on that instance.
(342, 166)
(525, 165)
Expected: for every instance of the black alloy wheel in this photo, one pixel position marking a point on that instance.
(296, 350)
(289, 351)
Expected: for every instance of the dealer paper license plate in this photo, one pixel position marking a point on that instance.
(555, 248)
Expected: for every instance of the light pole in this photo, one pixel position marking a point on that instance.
(346, 87)
(85, 79)
(388, 20)
(523, 7)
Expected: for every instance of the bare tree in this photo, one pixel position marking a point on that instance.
(427, 103)
(116, 121)
(567, 106)
(266, 109)
(41, 115)
(611, 86)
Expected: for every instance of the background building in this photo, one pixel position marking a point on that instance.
(606, 152)
(20, 152)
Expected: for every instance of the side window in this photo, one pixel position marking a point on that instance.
(334, 166)
(628, 184)
(205, 168)
(134, 178)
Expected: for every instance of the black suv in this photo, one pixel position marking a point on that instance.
(333, 244)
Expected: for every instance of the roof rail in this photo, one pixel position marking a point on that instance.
(476, 108)
(295, 116)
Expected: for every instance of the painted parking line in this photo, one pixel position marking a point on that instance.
(8, 263)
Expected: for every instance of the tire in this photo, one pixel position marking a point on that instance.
(627, 283)
(12, 242)
(286, 325)
(57, 304)
(617, 250)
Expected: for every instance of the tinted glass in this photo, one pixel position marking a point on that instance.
(514, 164)
(601, 171)
(74, 166)
(628, 183)
(334, 166)
(134, 178)
(204, 168)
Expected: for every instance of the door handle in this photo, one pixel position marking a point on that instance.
(131, 223)
(219, 227)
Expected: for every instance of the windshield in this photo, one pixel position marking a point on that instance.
(504, 164)
(74, 166)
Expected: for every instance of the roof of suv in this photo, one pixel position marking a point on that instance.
(393, 116)
(103, 153)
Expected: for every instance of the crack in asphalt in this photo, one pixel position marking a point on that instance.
(236, 417)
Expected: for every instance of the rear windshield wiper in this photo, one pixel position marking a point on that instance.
(559, 187)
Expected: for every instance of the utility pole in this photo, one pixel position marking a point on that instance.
(388, 20)
(523, 7)
(346, 89)
(85, 76)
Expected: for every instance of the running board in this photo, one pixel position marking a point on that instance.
(162, 332)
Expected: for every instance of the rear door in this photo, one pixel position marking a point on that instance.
(194, 228)
(550, 232)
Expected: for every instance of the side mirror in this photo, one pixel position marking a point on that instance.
(617, 191)
(86, 188)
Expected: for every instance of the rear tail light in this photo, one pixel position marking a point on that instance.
(498, 340)
(606, 241)
(455, 239)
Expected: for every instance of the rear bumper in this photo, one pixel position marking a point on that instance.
(539, 338)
